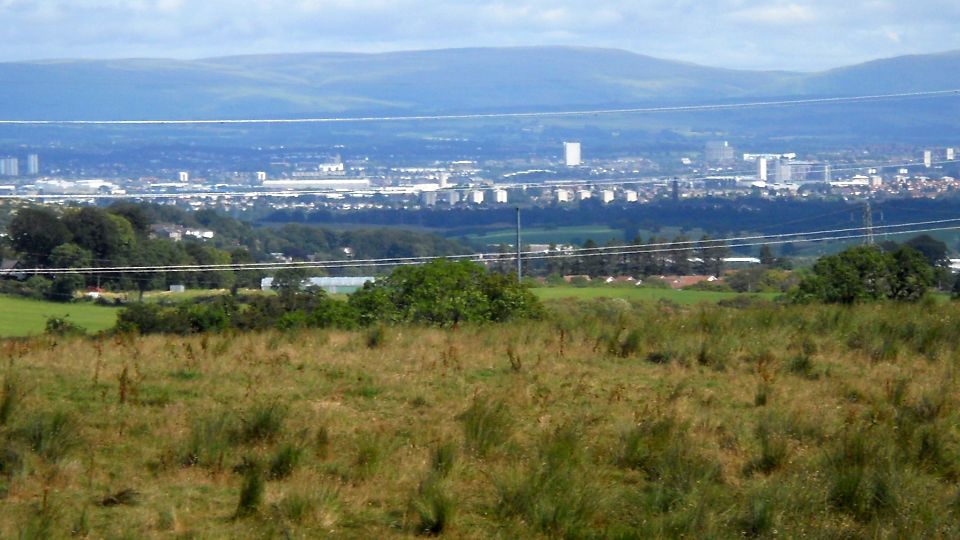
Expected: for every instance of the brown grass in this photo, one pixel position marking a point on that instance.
(385, 411)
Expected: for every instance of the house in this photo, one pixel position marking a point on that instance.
(682, 282)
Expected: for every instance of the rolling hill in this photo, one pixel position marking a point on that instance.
(453, 80)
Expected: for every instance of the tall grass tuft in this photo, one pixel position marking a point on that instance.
(757, 519)
(9, 399)
(209, 441)
(556, 494)
(443, 458)
(663, 450)
(376, 336)
(262, 423)
(284, 461)
(486, 425)
(773, 450)
(11, 463)
(251, 492)
(434, 507)
(862, 481)
(52, 435)
(372, 449)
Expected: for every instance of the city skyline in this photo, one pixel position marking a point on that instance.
(799, 35)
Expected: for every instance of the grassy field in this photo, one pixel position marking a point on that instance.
(22, 317)
(638, 293)
(608, 420)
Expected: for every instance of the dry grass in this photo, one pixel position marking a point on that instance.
(369, 424)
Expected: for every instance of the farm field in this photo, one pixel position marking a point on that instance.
(639, 294)
(606, 420)
(23, 317)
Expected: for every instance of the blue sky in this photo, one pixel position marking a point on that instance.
(791, 34)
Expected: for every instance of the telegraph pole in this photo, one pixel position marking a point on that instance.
(519, 264)
(868, 223)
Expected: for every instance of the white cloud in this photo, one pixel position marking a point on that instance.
(735, 33)
(786, 14)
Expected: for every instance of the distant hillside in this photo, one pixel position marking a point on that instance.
(449, 81)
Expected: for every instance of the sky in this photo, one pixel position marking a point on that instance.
(748, 34)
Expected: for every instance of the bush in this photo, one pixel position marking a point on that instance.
(445, 293)
(61, 326)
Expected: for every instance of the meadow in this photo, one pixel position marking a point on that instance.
(633, 293)
(23, 317)
(609, 419)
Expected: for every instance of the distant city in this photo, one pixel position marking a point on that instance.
(321, 179)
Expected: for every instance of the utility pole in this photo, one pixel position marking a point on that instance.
(519, 264)
(868, 223)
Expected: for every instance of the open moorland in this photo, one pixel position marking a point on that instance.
(607, 419)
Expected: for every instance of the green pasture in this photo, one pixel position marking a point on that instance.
(637, 293)
(22, 317)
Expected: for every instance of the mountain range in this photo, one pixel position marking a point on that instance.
(424, 82)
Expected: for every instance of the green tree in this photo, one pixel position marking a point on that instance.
(34, 233)
(711, 254)
(911, 274)
(866, 273)
(766, 256)
(108, 236)
(445, 293)
(933, 250)
(64, 286)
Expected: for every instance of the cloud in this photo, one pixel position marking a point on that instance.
(787, 14)
(785, 34)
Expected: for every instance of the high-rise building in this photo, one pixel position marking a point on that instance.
(571, 154)
(927, 158)
(784, 171)
(261, 176)
(500, 196)
(718, 152)
(762, 171)
(827, 173)
(33, 164)
(951, 154)
(9, 166)
(184, 176)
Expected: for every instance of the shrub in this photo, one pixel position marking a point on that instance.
(445, 293)
(61, 326)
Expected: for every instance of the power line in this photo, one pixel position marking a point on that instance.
(480, 116)
(662, 247)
